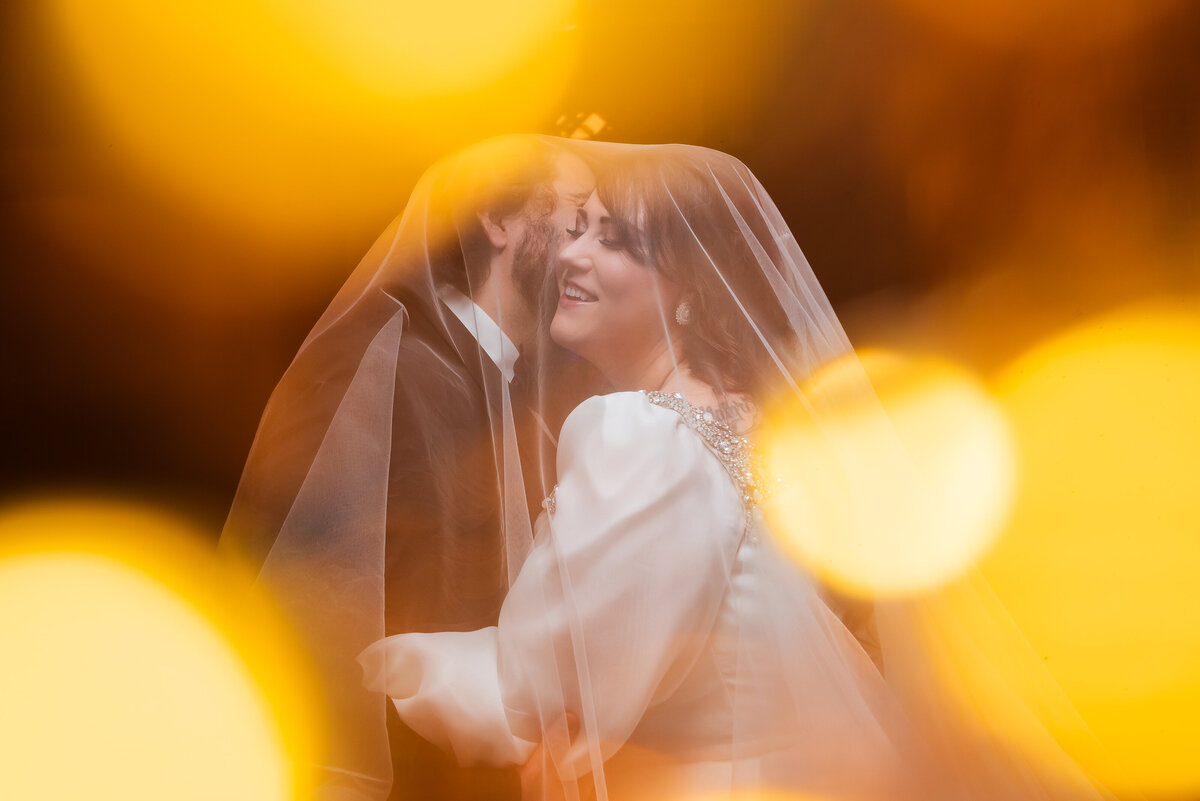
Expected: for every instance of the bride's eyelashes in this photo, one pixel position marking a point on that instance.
(612, 235)
(580, 225)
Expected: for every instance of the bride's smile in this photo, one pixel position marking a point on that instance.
(611, 303)
(573, 293)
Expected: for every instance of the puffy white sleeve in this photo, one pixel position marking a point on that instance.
(609, 612)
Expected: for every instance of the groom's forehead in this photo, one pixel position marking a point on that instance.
(573, 180)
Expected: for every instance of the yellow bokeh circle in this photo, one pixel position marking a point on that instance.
(1099, 561)
(290, 122)
(136, 667)
(891, 486)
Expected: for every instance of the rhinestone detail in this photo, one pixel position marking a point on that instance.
(736, 453)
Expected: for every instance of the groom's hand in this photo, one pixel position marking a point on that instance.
(534, 783)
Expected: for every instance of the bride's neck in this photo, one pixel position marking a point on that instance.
(664, 371)
(658, 369)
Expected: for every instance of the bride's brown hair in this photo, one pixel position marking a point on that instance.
(695, 215)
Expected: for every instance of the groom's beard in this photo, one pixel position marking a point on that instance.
(533, 273)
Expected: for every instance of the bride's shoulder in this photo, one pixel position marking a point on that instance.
(650, 422)
(654, 437)
(614, 408)
(620, 418)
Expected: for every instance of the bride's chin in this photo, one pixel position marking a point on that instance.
(575, 341)
(560, 333)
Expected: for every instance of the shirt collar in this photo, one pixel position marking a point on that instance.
(495, 343)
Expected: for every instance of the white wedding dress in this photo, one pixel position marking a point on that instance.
(649, 603)
(655, 609)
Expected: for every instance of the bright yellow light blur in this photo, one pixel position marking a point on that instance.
(122, 675)
(426, 48)
(292, 120)
(846, 501)
(637, 773)
(1099, 562)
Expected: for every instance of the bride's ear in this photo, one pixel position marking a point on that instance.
(494, 229)
(674, 296)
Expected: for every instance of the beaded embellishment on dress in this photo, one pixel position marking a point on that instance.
(735, 452)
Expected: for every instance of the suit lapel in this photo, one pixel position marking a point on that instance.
(534, 449)
(438, 322)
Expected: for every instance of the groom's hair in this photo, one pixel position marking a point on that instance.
(495, 178)
(693, 215)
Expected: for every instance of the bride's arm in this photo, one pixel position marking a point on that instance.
(620, 595)
(445, 685)
(608, 612)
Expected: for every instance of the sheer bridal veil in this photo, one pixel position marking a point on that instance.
(937, 694)
(961, 705)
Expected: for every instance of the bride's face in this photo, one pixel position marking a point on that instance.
(611, 307)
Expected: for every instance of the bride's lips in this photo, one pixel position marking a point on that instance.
(575, 295)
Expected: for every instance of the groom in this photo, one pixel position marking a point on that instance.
(509, 203)
(353, 463)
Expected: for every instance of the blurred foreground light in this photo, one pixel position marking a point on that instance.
(426, 48)
(758, 795)
(135, 668)
(894, 499)
(1100, 560)
(291, 120)
(642, 773)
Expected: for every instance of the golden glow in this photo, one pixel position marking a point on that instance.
(292, 120)
(1099, 563)
(117, 681)
(844, 499)
(426, 48)
(758, 795)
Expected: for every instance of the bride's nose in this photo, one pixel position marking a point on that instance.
(573, 256)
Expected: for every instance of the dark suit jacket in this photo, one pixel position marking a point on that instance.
(445, 566)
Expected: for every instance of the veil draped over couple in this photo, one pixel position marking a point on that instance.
(508, 493)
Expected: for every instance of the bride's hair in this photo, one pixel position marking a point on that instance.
(693, 214)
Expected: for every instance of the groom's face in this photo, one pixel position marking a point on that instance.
(545, 231)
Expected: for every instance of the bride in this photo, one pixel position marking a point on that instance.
(655, 642)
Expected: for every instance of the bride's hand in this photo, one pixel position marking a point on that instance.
(533, 783)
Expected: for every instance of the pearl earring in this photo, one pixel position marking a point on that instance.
(683, 313)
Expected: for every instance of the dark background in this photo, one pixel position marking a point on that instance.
(909, 153)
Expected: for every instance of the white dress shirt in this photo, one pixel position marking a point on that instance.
(495, 343)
